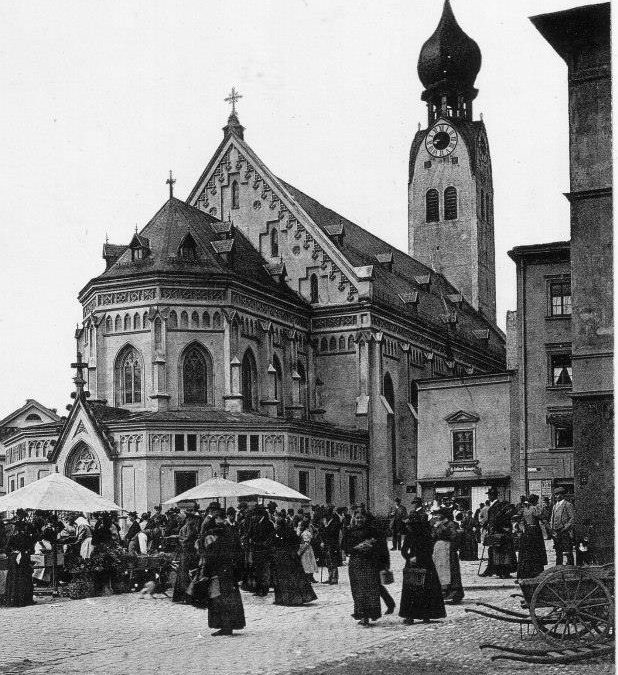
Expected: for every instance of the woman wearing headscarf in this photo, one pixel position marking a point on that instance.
(445, 557)
(292, 588)
(419, 601)
(368, 553)
(532, 553)
(222, 565)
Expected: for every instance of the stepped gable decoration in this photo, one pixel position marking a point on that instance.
(342, 258)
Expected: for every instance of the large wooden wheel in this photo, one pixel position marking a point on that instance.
(572, 606)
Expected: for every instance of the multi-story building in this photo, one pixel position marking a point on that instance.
(581, 36)
(541, 355)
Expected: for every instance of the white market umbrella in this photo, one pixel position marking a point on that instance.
(56, 492)
(271, 488)
(214, 488)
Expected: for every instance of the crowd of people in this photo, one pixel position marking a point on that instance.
(256, 548)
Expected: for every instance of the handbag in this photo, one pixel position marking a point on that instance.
(386, 577)
(414, 576)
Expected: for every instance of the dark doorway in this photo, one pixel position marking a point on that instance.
(91, 482)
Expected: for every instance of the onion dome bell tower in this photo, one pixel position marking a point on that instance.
(448, 65)
(450, 191)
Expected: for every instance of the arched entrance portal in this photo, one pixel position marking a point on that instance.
(83, 467)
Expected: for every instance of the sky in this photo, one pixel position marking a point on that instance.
(101, 100)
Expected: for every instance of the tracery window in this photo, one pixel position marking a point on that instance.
(129, 376)
(313, 285)
(274, 243)
(196, 376)
(249, 381)
(235, 195)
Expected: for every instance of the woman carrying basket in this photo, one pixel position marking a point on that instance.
(421, 593)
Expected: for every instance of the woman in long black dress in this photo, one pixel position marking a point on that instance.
(292, 587)
(446, 558)
(19, 586)
(468, 549)
(368, 553)
(187, 537)
(420, 602)
(222, 563)
(532, 553)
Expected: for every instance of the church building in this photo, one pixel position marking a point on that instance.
(251, 331)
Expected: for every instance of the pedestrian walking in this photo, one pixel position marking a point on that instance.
(331, 540)
(397, 516)
(368, 555)
(532, 554)
(291, 585)
(499, 539)
(421, 596)
(445, 557)
(305, 550)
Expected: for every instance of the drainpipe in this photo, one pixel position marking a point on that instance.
(524, 367)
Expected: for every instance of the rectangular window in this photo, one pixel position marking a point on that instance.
(21, 481)
(463, 445)
(560, 370)
(246, 475)
(352, 489)
(191, 442)
(1, 476)
(242, 443)
(179, 443)
(560, 298)
(12, 485)
(329, 486)
(184, 480)
(563, 435)
(254, 443)
(303, 482)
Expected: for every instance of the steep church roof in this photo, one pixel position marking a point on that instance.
(362, 248)
(177, 224)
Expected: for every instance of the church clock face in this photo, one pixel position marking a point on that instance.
(441, 140)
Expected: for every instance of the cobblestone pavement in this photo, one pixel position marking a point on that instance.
(123, 634)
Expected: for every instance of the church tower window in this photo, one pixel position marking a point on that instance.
(249, 382)
(235, 195)
(450, 203)
(196, 376)
(274, 243)
(129, 376)
(313, 286)
(432, 206)
(278, 385)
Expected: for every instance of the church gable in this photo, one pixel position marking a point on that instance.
(237, 186)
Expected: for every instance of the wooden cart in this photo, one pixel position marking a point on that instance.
(571, 608)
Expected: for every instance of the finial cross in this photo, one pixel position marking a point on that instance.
(170, 181)
(233, 97)
(79, 366)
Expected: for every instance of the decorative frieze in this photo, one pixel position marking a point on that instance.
(205, 294)
(123, 297)
(334, 321)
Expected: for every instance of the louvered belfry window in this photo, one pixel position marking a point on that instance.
(432, 206)
(450, 203)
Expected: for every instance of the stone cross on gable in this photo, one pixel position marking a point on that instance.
(233, 98)
(79, 366)
(170, 181)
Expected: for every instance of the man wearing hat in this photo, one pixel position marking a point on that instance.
(561, 525)
(134, 527)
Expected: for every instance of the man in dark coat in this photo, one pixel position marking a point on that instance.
(331, 539)
(261, 535)
(561, 526)
(502, 557)
(397, 516)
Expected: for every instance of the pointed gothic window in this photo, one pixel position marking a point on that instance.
(235, 195)
(341, 343)
(118, 324)
(249, 382)
(302, 384)
(206, 320)
(274, 243)
(196, 376)
(195, 320)
(184, 320)
(127, 322)
(313, 285)
(129, 376)
(173, 320)
(137, 322)
(109, 324)
(432, 206)
(158, 340)
(450, 203)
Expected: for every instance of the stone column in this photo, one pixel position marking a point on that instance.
(234, 400)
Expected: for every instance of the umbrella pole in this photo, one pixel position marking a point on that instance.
(54, 578)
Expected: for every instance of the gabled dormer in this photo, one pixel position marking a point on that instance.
(140, 247)
(187, 249)
(111, 253)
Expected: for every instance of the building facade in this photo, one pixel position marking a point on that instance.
(581, 36)
(465, 435)
(541, 355)
(250, 330)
